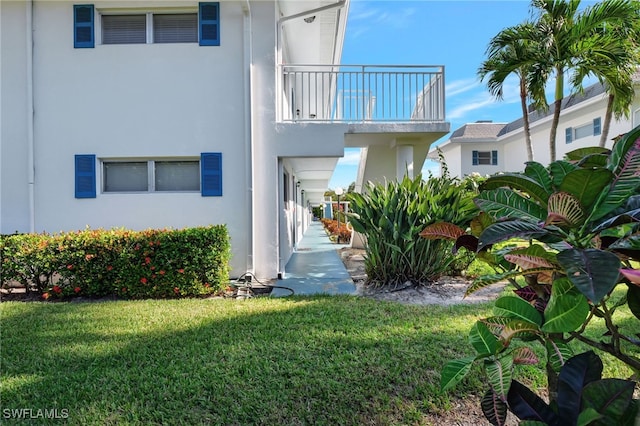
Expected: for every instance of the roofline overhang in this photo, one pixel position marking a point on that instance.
(338, 37)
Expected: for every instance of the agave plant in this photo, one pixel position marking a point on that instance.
(577, 222)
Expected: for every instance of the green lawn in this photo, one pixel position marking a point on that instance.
(314, 360)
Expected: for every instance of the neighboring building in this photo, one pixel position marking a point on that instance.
(174, 113)
(473, 147)
(486, 148)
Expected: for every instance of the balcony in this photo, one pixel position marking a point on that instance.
(361, 94)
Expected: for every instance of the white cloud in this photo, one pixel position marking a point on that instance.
(361, 15)
(363, 19)
(480, 101)
(351, 158)
(477, 97)
(461, 86)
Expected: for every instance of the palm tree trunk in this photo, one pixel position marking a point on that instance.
(525, 119)
(607, 121)
(559, 94)
(554, 130)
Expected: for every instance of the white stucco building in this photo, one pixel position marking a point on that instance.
(176, 113)
(485, 147)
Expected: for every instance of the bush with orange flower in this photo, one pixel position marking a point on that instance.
(132, 264)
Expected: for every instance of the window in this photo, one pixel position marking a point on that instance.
(181, 28)
(126, 176)
(177, 176)
(180, 175)
(202, 26)
(485, 158)
(592, 129)
(124, 29)
(151, 176)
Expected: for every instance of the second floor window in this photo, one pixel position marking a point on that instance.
(151, 176)
(480, 158)
(202, 26)
(150, 28)
(590, 129)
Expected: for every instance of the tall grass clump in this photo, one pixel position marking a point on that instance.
(391, 217)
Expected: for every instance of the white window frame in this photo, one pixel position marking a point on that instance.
(151, 170)
(589, 129)
(149, 22)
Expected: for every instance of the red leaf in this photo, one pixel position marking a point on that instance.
(442, 230)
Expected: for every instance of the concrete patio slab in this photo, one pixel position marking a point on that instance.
(315, 267)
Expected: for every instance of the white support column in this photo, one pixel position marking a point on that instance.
(404, 161)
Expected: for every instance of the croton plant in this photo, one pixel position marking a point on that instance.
(566, 235)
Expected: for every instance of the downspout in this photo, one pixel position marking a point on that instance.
(249, 126)
(0, 125)
(30, 121)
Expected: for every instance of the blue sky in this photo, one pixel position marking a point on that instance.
(426, 32)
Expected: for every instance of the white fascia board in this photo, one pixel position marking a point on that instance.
(548, 118)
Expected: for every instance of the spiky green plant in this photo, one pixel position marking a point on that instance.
(391, 217)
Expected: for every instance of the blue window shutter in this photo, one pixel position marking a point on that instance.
(83, 33)
(85, 176)
(597, 128)
(209, 24)
(211, 174)
(568, 135)
(494, 158)
(474, 160)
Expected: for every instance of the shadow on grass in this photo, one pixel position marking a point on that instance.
(315, 360)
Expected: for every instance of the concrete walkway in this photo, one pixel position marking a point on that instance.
(315, 267)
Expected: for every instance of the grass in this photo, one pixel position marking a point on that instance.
(306, 360)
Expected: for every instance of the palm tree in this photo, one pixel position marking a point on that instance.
(618, 83)
(618, 79)
(565, 36)
(510, 53)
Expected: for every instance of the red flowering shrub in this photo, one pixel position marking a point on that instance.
(151, 263)
(28, 259)
(331, 226)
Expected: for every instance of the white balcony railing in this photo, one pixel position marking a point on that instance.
(362, 93)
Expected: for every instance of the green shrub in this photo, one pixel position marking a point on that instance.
(581, 218)
(391, 218)
(27, 259)
(130, 264)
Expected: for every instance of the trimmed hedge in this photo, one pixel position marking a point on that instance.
(129, 264)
